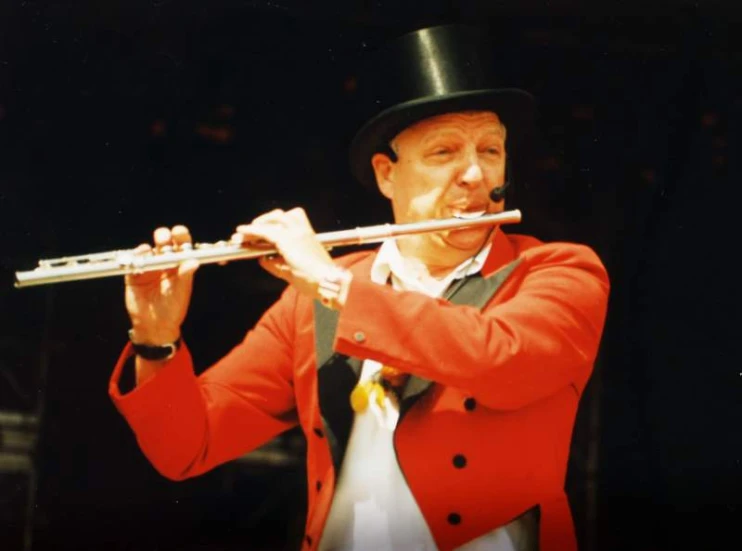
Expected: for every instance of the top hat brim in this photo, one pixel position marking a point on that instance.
(515, 108)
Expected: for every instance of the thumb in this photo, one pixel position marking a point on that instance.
(188, 268)
(186, 271)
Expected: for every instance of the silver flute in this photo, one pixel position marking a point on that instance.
(128, 262)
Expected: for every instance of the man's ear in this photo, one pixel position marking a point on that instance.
(383, 169)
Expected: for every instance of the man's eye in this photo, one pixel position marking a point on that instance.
(493, 150)
(442, 151)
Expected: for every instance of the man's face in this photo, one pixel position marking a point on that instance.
(447, 165)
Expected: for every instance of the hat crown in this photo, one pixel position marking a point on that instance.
(436, 61)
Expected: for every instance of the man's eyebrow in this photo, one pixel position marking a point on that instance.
(444, 134)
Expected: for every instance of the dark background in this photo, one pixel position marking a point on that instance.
(117, 117)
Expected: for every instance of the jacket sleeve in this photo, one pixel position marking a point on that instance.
(541, 338)
(186, 425)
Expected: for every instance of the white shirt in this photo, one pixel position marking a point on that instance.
(373, 508)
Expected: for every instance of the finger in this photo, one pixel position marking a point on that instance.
(248, 240)
(144, 278)
(274, 216)
(143, 249)
(181, 237)
(299, 221)
(247, 229)
(260, 235)
(163, 238)
(298, 214)
(236, 239)
(188, 268)
(276, 266)
(244, 230)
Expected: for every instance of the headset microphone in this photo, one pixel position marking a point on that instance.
(498, 193)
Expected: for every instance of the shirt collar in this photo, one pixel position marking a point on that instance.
(389, 261)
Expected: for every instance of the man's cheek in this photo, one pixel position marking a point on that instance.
(425, 204)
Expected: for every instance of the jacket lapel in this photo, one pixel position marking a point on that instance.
(325, 326)
(337, 374)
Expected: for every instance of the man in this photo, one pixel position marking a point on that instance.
(436, 379)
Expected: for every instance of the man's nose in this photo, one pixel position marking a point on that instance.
(473, 174)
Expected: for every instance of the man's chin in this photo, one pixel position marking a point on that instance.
(467, 239)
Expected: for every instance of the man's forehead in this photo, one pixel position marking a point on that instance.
(462, 120)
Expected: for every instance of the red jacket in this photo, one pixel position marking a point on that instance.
(506, 380)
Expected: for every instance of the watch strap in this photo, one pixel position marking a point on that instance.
(161, 352)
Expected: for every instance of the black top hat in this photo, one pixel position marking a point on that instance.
(430, 72)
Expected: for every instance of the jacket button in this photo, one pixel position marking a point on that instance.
(459, 461)
(319, 433)
(359, 336)
(470, 404)
(454, 518)
(318, 485)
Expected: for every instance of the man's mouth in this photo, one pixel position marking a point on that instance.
(469, 214)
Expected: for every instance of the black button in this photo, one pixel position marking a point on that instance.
(459, 461)
(470, 404)
(318, 485)
(309, 539)
(319, 433)
(454, 518)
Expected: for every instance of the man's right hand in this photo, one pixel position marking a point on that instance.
(157, 302)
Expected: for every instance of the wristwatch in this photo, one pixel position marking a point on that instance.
(333, 287)
(159, 353)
